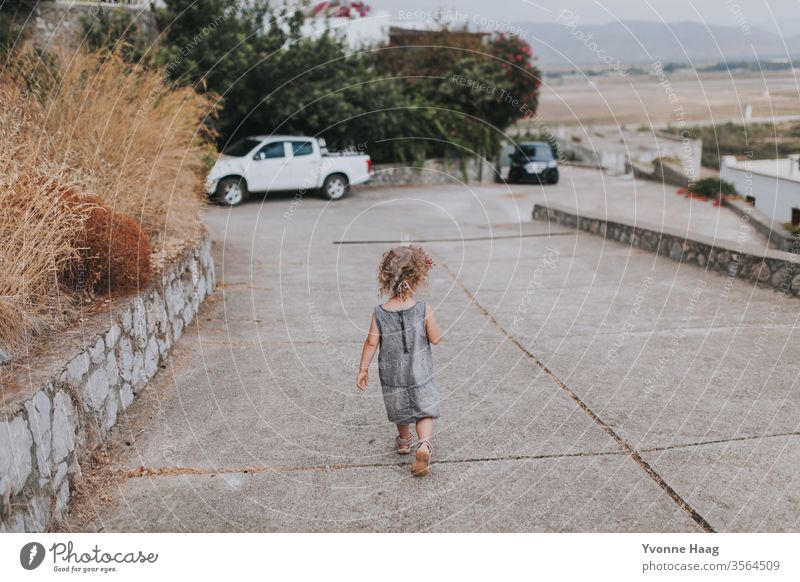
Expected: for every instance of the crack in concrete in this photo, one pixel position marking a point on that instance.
(254, 469)
(665, 330)
(462, 239)
(718, 442)
(241, 285)
(621, 442)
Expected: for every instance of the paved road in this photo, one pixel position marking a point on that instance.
(586, 386)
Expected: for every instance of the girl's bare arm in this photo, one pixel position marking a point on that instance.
(367, 353)
(432, 326)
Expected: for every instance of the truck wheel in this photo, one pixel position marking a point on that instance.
(335, 186)
(553, 177)
(231, 191)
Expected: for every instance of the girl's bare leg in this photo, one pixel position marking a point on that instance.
(424, 428)
(403, 431)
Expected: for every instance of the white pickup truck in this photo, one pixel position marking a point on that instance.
(269, 163)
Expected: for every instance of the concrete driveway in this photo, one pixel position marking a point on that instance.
(586, 386)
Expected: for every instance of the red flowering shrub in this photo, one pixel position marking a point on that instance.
(524, 78)
(341, 9)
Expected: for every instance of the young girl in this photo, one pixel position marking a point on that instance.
(405, 328)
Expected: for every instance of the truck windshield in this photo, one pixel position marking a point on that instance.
(241, 147)
(540, 152)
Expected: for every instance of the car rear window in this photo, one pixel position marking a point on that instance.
(302, 148)
(241, 148)
(536, 152)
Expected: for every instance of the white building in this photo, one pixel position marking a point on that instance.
(368, 29)
(772, 186)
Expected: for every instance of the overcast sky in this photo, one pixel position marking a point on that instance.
(757, 13)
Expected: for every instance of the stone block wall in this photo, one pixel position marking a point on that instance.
(671, 173)
(58, 24)
(662, 171)
(771, 268)
(433, 171)
(67, 398)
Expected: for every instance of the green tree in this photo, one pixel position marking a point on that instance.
(226, 48)
(479, 85)
(478, 104)
(211, 41)
(115, 30)
(14, 16)
(322, 88)
(272, 78)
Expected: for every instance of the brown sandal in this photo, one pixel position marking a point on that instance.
(403, 445)
(421, 465)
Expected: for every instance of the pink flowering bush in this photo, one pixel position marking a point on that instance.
(341, 9)
(524, 78)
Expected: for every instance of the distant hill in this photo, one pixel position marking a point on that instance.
(637, 42)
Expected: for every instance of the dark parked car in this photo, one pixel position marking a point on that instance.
(533, 161)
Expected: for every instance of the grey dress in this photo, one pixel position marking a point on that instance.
(405, 365)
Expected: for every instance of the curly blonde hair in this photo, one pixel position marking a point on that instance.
(402, 270)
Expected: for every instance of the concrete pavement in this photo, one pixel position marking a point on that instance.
(586, 386)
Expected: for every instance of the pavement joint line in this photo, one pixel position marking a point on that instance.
(722, 327)
(243, 287)
(462, 239)
(255, 469)
(718, 442)
(621, 442)
(272, 343)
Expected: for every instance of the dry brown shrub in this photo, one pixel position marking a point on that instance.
(136, 141)
(123, 131)
(113, 253)
(89, 125)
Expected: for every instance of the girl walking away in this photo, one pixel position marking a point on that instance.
(404, 329)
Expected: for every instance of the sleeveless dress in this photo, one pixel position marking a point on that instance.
(405, 365)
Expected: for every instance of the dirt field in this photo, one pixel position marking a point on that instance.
(650, 99)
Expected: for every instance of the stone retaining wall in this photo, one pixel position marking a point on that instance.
(771, 268)
(662, 171)
(433, 171)
(60, 404)
(58, 24)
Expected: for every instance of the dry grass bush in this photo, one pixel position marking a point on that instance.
(113, 253)
(37, 234)
(89, 126)
(37, 226)
(135, 141)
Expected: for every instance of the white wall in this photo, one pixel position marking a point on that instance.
(775, 197)
(369, 29)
